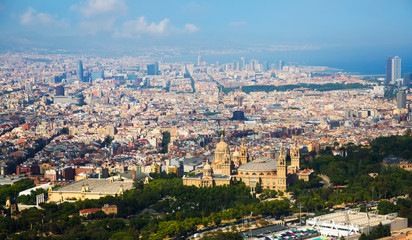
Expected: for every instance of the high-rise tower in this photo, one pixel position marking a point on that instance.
(407, 80)
(396, 69)
(153, 69)
(281, 65)
(80, 71)
(401, 99)
(199, 59)
(388, 78)
(242, 62)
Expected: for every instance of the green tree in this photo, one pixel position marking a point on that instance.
(165, 141)
(122, 236)
(258, 188)
(386, 207)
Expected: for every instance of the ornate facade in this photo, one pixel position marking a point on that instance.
(268, 171)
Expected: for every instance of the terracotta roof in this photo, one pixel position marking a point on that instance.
(90, 210)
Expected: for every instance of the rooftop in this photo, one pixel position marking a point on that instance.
(353, 217)
(260, 164)
(104, 186)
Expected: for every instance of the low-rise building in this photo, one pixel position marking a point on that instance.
(90, 189)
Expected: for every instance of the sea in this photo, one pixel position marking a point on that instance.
(362, 61)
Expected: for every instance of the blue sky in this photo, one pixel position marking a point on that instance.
(208, 24)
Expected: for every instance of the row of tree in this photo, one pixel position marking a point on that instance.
(178, 211)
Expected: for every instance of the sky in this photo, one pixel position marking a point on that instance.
(361, 27)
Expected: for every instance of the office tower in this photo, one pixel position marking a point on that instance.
(199, 59)
(153, 69)
(396, 69)
(236, 66)
(242, 59)
(280, 65)
(401, 99)
(253, 64)
(80, 70)
(187, 72)
(388, 78)
(59, 90)
(407, 80)
(266, 66)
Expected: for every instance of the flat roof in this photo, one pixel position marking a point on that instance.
(352, 217)
(104, 186)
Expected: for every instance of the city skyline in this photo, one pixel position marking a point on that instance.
(308, 32)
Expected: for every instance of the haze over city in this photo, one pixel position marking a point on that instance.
(205, 120)
(349, 35)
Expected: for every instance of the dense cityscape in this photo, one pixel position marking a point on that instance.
(149, 146)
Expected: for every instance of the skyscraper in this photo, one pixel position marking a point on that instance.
(388, 78)
(407, 80)
(199, 59)
(401, 99)
(396, 69)
(153, 69)
(242, 67)
(280, 65)
(80, 71)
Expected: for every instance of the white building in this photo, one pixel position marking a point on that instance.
(352, 222)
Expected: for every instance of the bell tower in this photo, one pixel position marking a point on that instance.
(281, 171)
(227, 164)
(295, 156)
(243, 153)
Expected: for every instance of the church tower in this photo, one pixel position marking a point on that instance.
(295, 156)
(243, 153)
(281, 171)
(227, 165)
(207, 170)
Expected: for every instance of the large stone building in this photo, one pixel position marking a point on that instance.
(90, 189)
(267, 171)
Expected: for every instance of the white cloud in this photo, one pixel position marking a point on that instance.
(93, 8)
(237, 23)
(140, 26)
(33, 17)
(191, 28)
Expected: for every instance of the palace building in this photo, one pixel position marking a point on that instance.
(269, 171)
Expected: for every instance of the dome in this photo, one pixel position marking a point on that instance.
(236, 153)
(222, 146)
(263, 164)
